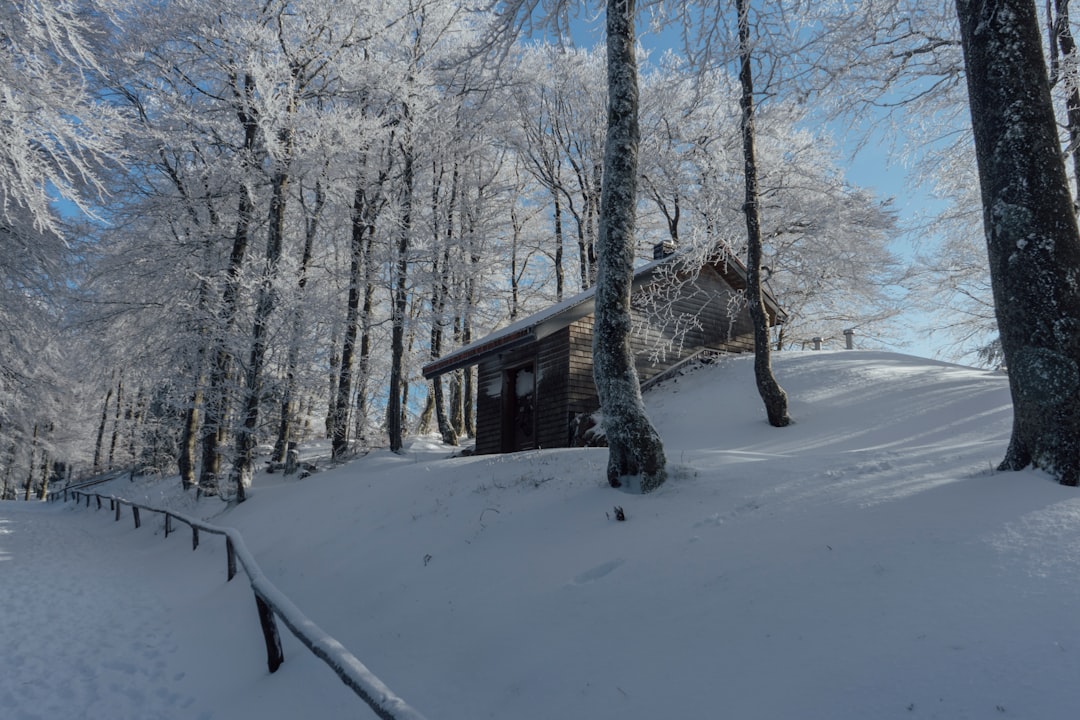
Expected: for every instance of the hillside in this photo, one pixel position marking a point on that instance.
(865, 562)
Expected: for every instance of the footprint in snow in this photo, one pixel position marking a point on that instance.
(601, 570)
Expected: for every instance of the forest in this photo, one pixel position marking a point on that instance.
(231, 225)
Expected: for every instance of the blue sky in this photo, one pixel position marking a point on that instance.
(870, 166)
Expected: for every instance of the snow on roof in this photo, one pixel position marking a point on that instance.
(543, 323)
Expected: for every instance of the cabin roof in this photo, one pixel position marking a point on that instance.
(558, 316)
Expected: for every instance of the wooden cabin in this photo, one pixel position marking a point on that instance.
(535, 377)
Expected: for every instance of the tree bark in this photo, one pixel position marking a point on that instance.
(1031, 232)
(772, 395)
(30, 473)
(216, 407)
(339, 425)
(244, 464)
(101, 431)
(286, 431)
(399, 306)
(116, 420)
(635, 451)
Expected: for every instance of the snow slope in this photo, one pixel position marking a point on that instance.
(865, 562)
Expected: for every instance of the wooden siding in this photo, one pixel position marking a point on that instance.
(564, 365)
(489, 407)
(581, 390)
(701, 317)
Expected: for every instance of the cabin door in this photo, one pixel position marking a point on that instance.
(519, 408)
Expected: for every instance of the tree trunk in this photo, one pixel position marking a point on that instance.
(116, 420)
(288, 401)
(185, 460)
(634, 447)
(216, 408)
(98, 447)
(335, 372)
(46, 470)
(560, 279)
(438, 310)
(362, 229)
(244, 464)
(772, 394)
(399, 305)
(30, 473)
(1031, 233)
(363, 369)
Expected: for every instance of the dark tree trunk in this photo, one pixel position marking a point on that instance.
(338, 424)
(335, 371)
(1031, 233)
(634, 447)
(98, 449)
(363, 369)
(438, 310)
(396, 400)
(218, 398)
(244, 464)
(560, 279)
(117, 415)
(772, 394)
(440, 275)
(33, 457)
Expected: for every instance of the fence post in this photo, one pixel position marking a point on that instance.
(98, 502)
(87, 501)
(168, 524)
(117, 503)
(274, 654)
(849, 339)
(230, 557)
(135, 512)
(194, 538)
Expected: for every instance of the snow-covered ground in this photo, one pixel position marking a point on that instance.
(865, 562)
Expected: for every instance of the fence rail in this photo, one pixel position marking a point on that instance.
(271, 604)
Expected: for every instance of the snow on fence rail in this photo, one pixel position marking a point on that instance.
(272, 602)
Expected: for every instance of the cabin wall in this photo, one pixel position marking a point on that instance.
(549, 357)
(489, 387)
(564, 365)
(709, 314)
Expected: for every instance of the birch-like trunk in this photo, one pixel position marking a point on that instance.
(635, 452)
(1031, 233)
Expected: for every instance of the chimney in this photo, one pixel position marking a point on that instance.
(664, 249)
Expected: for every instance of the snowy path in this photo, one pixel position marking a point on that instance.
(105, 621)
(83, 637)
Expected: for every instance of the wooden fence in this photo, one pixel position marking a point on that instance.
(271, 603)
